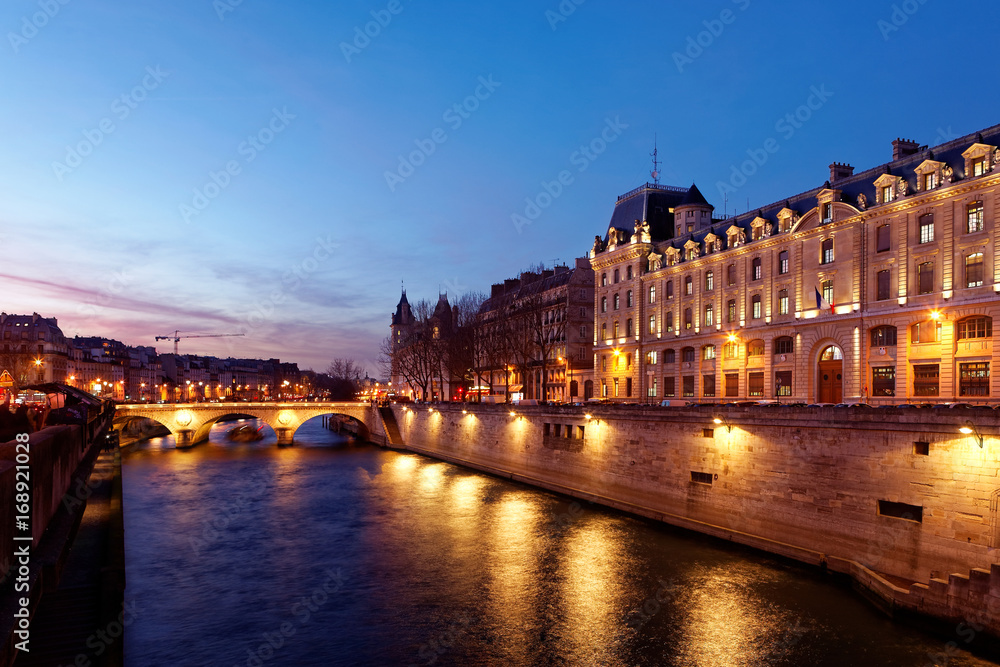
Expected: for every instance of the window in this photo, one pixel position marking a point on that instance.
(616, 329)
(708, 352)
(628, 272)
(688, 388)
(688, 286)
(755, 269)
(930, 181)
(708, 386)
(616, 276)
(652, 324)
(669, 390)
(731, 351)
(652, 294)
(783, 383)
(925, 277)
(652, 391)
(926, 332)
(884, 381)
(669, 357)
(979, 166)
(604, 304)
(732, 385)
(974, 217)
(884, 336)
(755, 348)
(827, 212)
(604, 389)
(604, 280)
(628, 327)
(887, 194)
(687, 318)
(687, 355)
(784, 345)
(670, 289)
(709, 281)
(882, 238)
(669, 324)
(583, 332)
(901, 511)
(974, 327)
(628, 299)
(974, 270)
(826, 251)
(925, 379)
(974, 379)
(783, 302)
(926, 224)
(616, 388)
(731, 275)
(755, 307)
(782, 262)
(731, 310)
(651, 358)
(755, 384)
(617, 301)
(883, 285)
(709, 316)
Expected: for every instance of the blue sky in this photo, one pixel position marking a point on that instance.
(221, 166)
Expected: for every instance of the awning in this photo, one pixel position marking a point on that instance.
(516, 387)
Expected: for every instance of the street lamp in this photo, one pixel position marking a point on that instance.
(723, 420)
(970, 429)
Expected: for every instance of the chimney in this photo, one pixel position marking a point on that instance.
(528, 277)
(840, 171)
(562, 268)
(511, 284)
(547, 273)
(903, 148)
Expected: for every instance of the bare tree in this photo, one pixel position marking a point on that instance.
(22, 368)
(345, 376)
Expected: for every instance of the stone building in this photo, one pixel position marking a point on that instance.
(536, 335)
(879, 286)
(32, 348)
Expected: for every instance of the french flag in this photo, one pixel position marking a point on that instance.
(823, 304)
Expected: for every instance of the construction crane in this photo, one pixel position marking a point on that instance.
(176, 337)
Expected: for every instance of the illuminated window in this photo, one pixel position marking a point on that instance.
(884, 336)
(604, 280)
(974, 270)
(688, 381)
(604, 331)
(652, 293)
(930, 181)
(783, 302)
(731, 310)
(826, 251)
(652, 390)
(628, 299)
(979, 166)
(688, 286)
(708, 352)
(651, 358)
(883, 381)
(831, 353)
(827, 212)
(616, 329)
(974, 327)
(755, 269)
(755, 307)
(731, 351)
(709, 281)
(755, 348)
(887, 194)
(604, 304)
(709, 315)
(926, 332)
(652, 324)
(974, 379)
(926, 228)
(783, 262)
(616, 387)
(828, 291)
(974, 217)
(783, 383)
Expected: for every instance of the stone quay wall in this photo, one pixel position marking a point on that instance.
(884, 495)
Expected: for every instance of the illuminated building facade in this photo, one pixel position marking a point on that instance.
(880, 287)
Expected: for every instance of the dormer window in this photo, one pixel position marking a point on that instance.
(736, 236)
(930, 181)
(929, 174)
(887, 188)
(886, 194)
(786, 220)
(759, 228)
(712, 244)
(979, 159)
(827, 212)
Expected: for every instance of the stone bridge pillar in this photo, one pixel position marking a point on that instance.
(284, 436)
(184, 439)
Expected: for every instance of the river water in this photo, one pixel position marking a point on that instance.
(328, 553)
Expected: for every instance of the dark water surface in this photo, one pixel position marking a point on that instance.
(334, 554)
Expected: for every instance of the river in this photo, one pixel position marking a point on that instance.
(329, 553)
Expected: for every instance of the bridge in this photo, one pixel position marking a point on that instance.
(190, 423)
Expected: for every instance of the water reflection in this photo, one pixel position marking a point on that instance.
(446, 566)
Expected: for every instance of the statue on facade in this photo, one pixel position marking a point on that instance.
(949, 174)
(598, 245)
(862, 201)
(904, 185)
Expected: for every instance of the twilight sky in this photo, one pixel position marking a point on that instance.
(264, 166)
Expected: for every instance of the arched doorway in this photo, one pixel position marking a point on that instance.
(831, 375)
(588, 390)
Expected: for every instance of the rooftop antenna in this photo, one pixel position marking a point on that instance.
(656, 162)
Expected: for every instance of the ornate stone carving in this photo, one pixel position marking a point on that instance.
(598, 245)
(862, 201)
(949, 174)
(904, 186)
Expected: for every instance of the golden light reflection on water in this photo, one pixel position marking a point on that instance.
(593, 563)
(431, 477)
(513, 551)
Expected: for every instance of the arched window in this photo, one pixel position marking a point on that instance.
(687, 354)
(976, 326)
(884, 336)
(708, 352)
(926, 332)
(831, 353)
(669, 356)
(755, 348)
(784, 345)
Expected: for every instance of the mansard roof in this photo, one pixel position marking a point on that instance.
(694, 198)
(651, 203)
